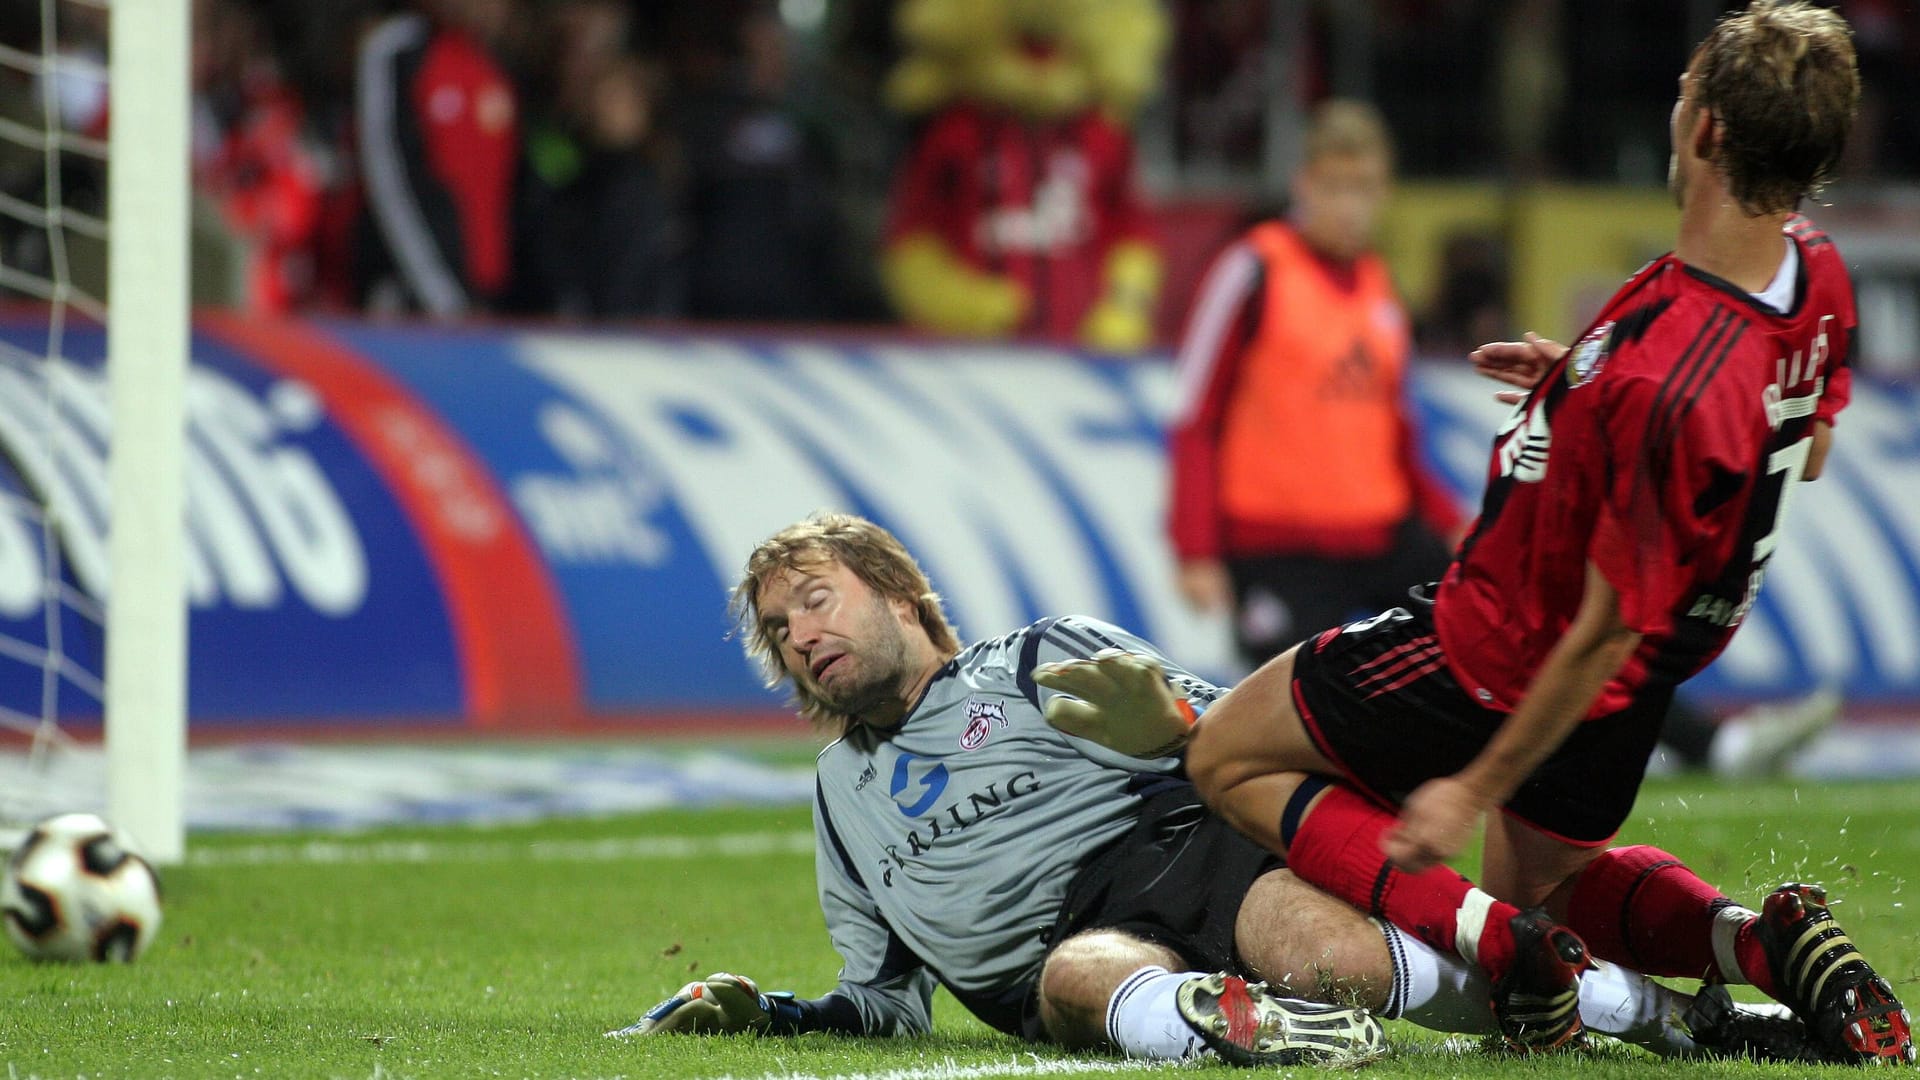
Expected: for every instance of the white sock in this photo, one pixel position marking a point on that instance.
(1436, 990)
(1633, 1008)
(1727, 924)
(1144, 1022)
(1470, 921)
(1445, 993)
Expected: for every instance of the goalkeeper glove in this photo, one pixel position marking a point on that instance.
(719, 1003)
(1120, 700)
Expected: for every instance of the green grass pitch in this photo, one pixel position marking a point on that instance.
(507, 951)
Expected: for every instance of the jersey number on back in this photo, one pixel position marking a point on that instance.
(1771, 495)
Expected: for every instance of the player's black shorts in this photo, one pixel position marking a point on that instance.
(1177, 879)
(1379, 700)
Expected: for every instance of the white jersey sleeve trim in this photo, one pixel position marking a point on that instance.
(1223, 295)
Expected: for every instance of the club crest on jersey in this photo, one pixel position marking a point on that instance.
(982, 718)
(1589, 355)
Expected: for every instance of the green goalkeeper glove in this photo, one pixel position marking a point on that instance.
(1120, 700)
(719, 1003)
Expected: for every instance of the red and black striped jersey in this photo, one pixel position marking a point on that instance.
(1663, 448)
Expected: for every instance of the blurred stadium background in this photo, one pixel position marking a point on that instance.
(427, 527)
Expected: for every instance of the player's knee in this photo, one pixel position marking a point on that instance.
(1080, 976)
(1067, 1011)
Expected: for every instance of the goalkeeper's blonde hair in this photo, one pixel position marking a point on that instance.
(874, 555)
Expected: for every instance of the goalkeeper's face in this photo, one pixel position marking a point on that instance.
(845, 644)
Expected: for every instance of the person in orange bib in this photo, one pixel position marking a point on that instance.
(1298, 496)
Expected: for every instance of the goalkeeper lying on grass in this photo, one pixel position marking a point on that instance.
(1062, 890)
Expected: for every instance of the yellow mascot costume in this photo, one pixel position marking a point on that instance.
(1016, 212)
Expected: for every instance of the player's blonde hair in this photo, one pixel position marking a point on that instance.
(874, 555)
(1782, 81)
(1343, 127)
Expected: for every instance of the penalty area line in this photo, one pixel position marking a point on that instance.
(611, 849)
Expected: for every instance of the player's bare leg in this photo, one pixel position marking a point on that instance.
(1250, 751)
(1109, 988)
(1249, 758)
(1306, 944)
(1528, 868)
(1079, 979)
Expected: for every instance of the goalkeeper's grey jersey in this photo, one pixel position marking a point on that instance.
(946, 845)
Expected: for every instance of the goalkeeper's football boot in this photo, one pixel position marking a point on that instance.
(1850, 1011)
(1248, 1024)
(1724, 1027)
(1537, 1002)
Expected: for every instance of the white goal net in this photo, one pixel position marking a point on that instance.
(93, 152)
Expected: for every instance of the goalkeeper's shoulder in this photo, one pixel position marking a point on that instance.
(1078, 637)
(1082, 637)
(1043, 641)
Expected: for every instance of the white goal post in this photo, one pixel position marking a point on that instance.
(147, 352)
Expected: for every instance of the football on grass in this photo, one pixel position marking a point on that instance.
(73, 891)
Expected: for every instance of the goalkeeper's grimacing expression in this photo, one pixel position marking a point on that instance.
(864, 655)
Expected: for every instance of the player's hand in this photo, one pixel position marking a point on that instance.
(1517, 363)
(1205, 584)
(1120, 700)
(721, 1003)
(1436, 823)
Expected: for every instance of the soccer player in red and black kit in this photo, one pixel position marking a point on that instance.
(1633, 505)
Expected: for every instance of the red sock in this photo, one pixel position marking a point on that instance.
(1337, 847)
(1643, 908)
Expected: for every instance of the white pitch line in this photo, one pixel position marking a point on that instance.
(612, 849)
(952, 1070)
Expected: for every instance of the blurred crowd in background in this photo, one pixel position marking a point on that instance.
(733, 159)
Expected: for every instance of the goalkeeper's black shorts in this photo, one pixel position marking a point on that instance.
(1176, 879)
(1379, 701)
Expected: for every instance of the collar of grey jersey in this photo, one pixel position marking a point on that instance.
(947, 671)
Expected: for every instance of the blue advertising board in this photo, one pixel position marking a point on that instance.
(395, 526)
(312, 600)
